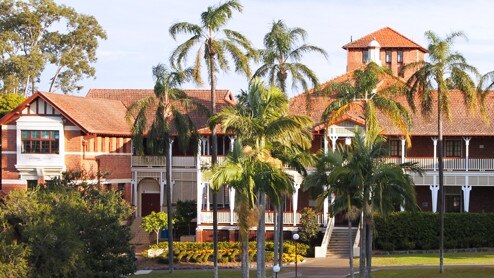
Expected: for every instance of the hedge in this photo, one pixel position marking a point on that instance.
(199, 252)
(420, 231)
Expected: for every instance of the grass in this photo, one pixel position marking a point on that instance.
(432, 259)
(452, 272)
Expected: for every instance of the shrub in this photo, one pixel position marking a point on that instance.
(420, 231)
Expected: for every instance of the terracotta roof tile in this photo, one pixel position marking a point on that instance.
(387, 38)
(129, 96)
(92, 115)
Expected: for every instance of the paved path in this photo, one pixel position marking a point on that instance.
(318, 267)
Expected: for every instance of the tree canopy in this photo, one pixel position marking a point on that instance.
(38, 33)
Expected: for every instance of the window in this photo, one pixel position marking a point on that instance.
(453, 148)
(400, 56)
(394, 147)
(388, 56)
(31, 184)
(365, 56)
(40, 141)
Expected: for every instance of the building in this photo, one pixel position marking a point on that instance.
(50, 133)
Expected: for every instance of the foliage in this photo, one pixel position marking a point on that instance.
(155, 222)
(308, 225)
(184, 213)
(409, 231)
(282, 54)
(69, 232)
(9, 101)
(200, 252)
(35, 34)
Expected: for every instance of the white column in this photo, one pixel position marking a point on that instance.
(434, 163)
(434, 189)
(326, 147)
(199, 186)
(204, 145)
(207, 196)
(232, 204)
(466, 196)
(333, 141)
(133, 183)
(162, 183)
(295, 203)
(402, 150)
(325, 210)
(232, 142)
(467, 153)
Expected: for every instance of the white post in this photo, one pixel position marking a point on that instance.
(232, 142)
(325, 210)
(326, 134)
(232, 205)
(466, 196)
(134, 191)
(434, 163)
(162, 183)
(295, 203)
(467, 153)
(403, 150)
(434, 189)
(199, 186)
(204, 145)
(207, 196)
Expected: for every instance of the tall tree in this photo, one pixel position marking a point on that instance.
(366, 93)
(432, 81)
(214, 45)
(170, 107)
(347, 200)
(284, 49)
(261, 121)
(37, 33)
(281, 57)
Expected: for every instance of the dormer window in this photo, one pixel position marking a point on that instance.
(388, 56)
(400, 56)
(40, 141)
(365, 56)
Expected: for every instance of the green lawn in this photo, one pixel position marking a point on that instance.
(454, 272)
(432, 259)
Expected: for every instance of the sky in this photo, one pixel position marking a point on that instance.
(138, 37)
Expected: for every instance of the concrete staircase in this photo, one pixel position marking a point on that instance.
(338, 245)
(140, 238)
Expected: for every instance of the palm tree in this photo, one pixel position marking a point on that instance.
(366, 93)
(283, 50)
(261, 121)
(282, 54)
(214, 44)
(168, 105)
(484, 87)
(347, 199)
(445, 70)
(382, 185)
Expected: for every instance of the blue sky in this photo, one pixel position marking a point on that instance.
(138, 31)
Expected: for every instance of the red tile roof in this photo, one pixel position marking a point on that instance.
(129, 96)
(462, 123)
(387, 38)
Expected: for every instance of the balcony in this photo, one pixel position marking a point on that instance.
(224, 218)
(450, 164)
(177, 161)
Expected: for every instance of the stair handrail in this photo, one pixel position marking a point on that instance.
(321, 251)
(356, 242)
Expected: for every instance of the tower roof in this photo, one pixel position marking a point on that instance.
(387, 38)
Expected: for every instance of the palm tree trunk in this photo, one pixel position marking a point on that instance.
(214, 158)
(350, 237)
(280, 231)
(261, 228)
(369, 248)
(245, 253)
(168, 177)
(275, 239)
(442, 207)
(363, 241)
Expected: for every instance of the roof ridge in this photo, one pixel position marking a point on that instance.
(359, 42)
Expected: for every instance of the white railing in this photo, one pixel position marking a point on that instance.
(450, 164)
(224, 217)
(159, 161)
(206, 161)
(321, 251)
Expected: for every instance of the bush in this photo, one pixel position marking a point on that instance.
(420, 231)
(199, 252)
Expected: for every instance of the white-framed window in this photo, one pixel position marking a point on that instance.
(394, 147)
(40, 141)
(387, 56)
(399, 55)
(365, 56)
